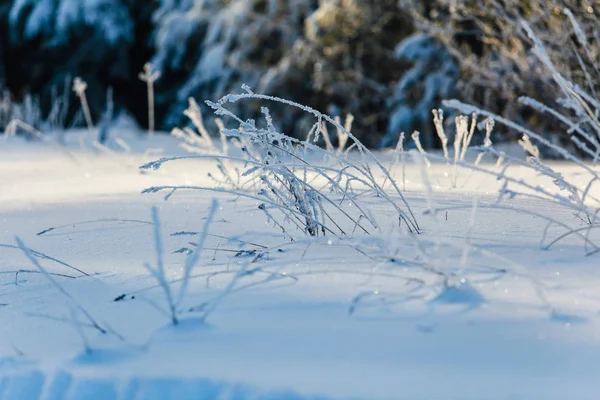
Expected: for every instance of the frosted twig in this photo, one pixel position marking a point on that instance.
(193, 259)
(326, 137)
(159, 272)
(79, 87)
(417, 140)
(150, 76)
(487, 141)
(342, 136)
(46, 257)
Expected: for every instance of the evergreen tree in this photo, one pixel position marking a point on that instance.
(56, 39)
(496, 63)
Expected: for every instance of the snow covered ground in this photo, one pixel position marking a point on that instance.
(367, 317)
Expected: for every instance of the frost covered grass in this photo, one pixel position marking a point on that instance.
(576, 195)
(175, 298)
(280, 171)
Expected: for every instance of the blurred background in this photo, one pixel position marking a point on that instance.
(386, 62)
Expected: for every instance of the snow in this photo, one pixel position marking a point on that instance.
(319, 318)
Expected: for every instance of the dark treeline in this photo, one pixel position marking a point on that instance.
(387, 62)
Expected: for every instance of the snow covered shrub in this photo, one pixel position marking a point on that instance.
(205, 49)
(49, 41)
(497, 64)
(432, 77)
(343, 63)
(297, 183)
(333, 55)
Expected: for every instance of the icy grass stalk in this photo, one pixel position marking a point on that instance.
(560, 182)
(5, 109)
(415, 137)
(46, 257)
(150, 76)
(461, 131)
(28, 112)
(438, 122)
(469, 137)
(79, 87)
(573, 201)
(485, 148)
(487, 141)
(405, 215)
(73, 303)
(342, 135)
(159, 272)
(276, 164)
(11, 129)
(193, 258)
(581, 38)
(574, 128)
(325, 132)
(469, 109)
(273, 220)
(530, 148)
(201, 142)
(224, 142)
(276, 177)
(399, 155)
(462, 140)
(568, 229)
(575, 99)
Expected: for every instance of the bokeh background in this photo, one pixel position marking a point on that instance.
(387, 62)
